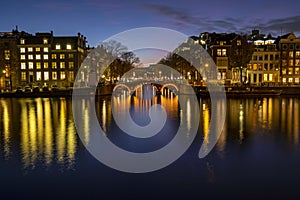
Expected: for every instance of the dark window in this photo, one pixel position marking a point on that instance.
(266, 57)
(284, 46)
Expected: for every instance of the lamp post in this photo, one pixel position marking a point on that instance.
(241, 74)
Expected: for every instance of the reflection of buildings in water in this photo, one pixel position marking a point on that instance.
(6, 127)
(42, 137)
(209, 133)
(241, 123)
(290, 119)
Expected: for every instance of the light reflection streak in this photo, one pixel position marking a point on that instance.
(46, 133)
(241, 123)
(6, 128)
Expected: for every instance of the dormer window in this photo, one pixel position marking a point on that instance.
(22, 41)
(45, 41)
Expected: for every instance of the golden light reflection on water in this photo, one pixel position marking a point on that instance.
(6, 129)
(47, 133)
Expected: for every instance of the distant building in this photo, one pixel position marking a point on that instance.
(9, 59)
(46, 59)
(219, 50)
(264, 66)
(290, 59)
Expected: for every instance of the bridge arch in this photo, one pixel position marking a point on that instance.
(121, 85)
(170, 85)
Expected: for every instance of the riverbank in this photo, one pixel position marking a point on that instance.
(200, 91)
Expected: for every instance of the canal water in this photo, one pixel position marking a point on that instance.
(42, 156)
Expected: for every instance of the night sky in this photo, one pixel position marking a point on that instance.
(98, 19)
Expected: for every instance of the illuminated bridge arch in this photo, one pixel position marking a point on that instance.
(121, 85)
(170, 85)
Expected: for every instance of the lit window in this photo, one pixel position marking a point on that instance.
(297, 53)
(219, 52)
(284, 71)
(297, 80)
(297, 70)
(62, 75)
(270, 77)
(46, 49)
(22, 50)
(30, 57)
(37, 49)
(284, 80)
(23, 57)
(30, 65)
(224, 52)
(71, 75)
(23, 65)
(30, 49)
(291, 54)
(57, 46)
(254, 66)
(23, 76)
(45, 41)
(53, 56)
(239, 42)
(290, 80)
(7, 54)
(71, 55)
(62, 56)
(38, 76)
(46, 65)
(54, 76)
(265, 77)
(46, 76)
(54, 66)
(71, 65)
(62, 65)
(38, 65)
(46, 57)
(38, 57)
(69, 46)
(291, 70)
(22, 41)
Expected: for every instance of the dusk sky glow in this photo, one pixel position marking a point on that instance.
(98, 19)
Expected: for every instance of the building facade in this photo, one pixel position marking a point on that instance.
(290, 59)
(9, 59)
(264, 66)
(47, 60)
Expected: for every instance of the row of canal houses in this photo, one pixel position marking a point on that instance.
(45, 59)
(254, 59)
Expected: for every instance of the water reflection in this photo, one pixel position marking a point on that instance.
(43, 130)
(5, 119)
